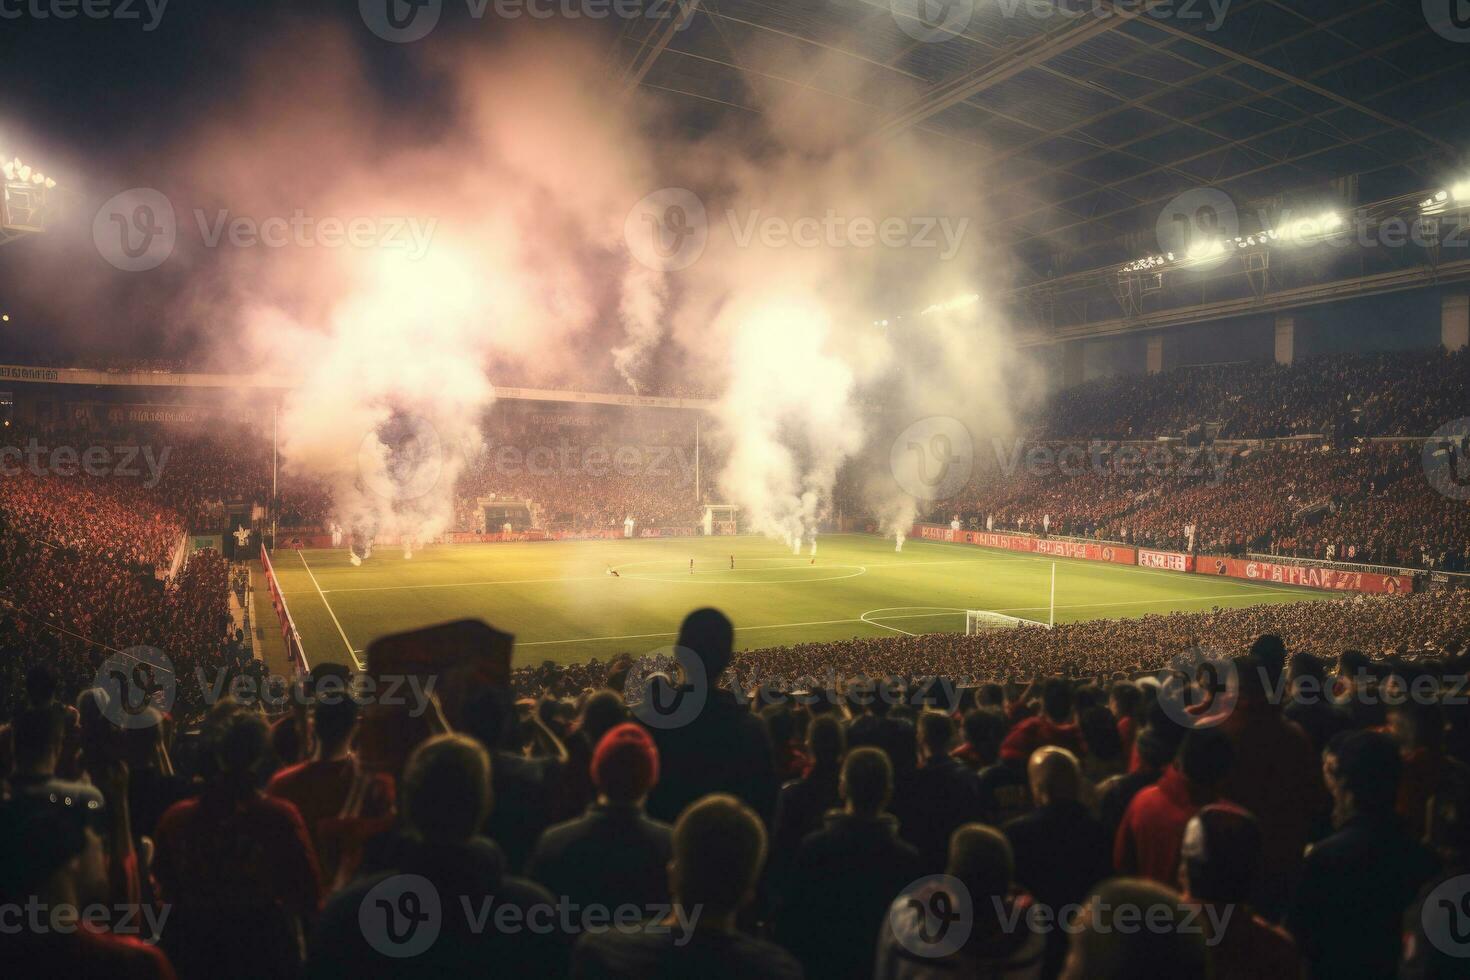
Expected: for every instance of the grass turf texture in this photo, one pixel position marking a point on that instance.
(562, 605)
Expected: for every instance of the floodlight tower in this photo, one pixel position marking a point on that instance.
(25, 200)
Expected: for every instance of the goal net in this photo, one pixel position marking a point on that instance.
(983, 621)
(721, 518)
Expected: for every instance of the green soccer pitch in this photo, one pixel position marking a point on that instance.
(562, 605)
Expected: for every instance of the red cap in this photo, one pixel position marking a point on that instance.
(625, 763)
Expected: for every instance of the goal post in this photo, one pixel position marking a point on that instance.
(721, 519)
(983, 621)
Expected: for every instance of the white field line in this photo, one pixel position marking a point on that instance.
(340, 631)
(839, 622)
(872, 622)
(987, 556)
(635, 578)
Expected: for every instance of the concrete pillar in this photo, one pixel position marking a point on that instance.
(1454, 320)
(1072, 366)
(1154, 356)
(1285, 339)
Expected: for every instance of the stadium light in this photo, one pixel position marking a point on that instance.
(24, 205)
(16, 171)
(1456, 195)
(1148, 262)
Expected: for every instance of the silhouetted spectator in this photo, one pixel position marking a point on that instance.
(614, 854)
(845, 875)
(724, 749)
(1054, 726)
(1001, 943)
(52, 857)
(1442, 899)
(320, 787)
(1061, 850)
(945, 794)
(1418, 728)
(373, 927)
(984, 729)
(1109, 945)
(1357, 882)
(1275, 776)
(804, 802)
(237, 866)
(719, 846)
(1223, 864)
(1309, 700)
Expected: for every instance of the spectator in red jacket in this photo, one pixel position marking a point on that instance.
(237, 866)
(1149, 838)
(1054, 726)
(322, 786)
(1276, 776)
(984, 730)
(1222, 852)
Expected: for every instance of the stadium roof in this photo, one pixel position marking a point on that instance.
(1092, 123)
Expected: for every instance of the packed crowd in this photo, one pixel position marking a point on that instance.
(82, 578)
(1387, 394)
(586, 471)
(1367, 503)
(113, 521)
(1426, 624)
(1309, 816)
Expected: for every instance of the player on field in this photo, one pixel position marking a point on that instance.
(691, 566)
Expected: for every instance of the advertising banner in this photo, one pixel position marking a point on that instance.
(1172, 560)
(1311, 576)
(1088, 550)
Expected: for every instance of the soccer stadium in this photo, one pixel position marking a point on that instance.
(852, 489)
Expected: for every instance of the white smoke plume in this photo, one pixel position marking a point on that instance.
(519, 203)
(782, 305)
(521, 177)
